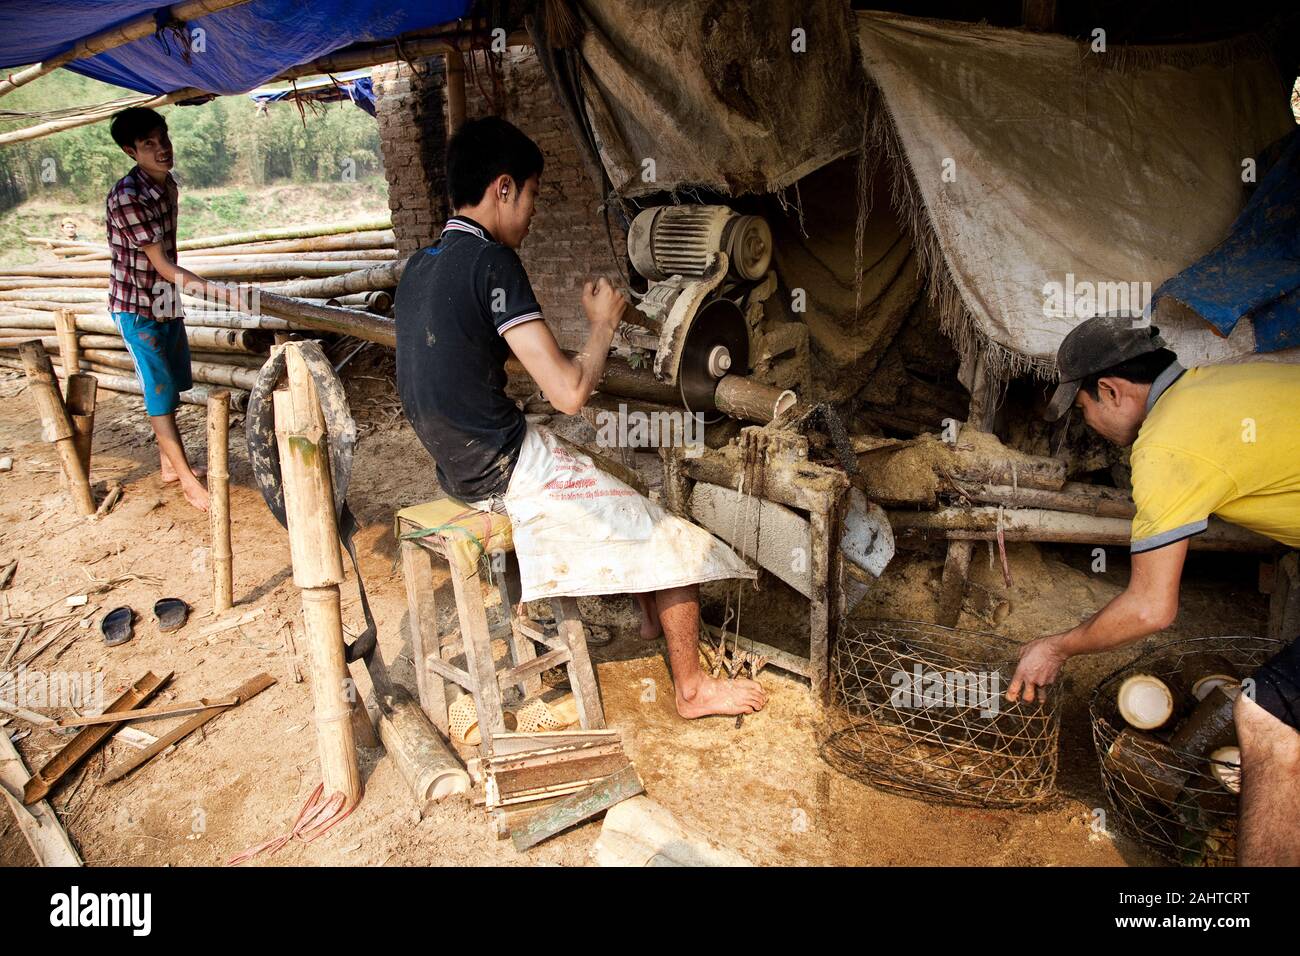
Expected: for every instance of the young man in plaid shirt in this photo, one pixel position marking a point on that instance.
(145, 283)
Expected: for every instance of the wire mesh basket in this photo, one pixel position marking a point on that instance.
(919, 709)
(1181, 805)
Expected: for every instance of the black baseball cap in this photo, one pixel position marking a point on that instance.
(1095, 345)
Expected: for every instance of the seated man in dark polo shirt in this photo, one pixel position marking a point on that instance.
(463, 305)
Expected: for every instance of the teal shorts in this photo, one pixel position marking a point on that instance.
(161, 354)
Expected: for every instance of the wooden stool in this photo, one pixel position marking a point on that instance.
(467, 539)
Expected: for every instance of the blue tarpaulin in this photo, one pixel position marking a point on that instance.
(355, 86)
(242, 47)
(1255, 271)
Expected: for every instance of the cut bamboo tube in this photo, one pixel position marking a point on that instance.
(743, 398)
(55, 423)
(65, 323)
(80, 389)
(1145, 701)
(317, 571)
(422, 757)
(219, 495)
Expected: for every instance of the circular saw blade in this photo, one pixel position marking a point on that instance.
(720, 322)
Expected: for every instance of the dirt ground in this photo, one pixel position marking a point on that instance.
(761, 788)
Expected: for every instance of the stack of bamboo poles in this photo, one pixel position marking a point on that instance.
(333, 278)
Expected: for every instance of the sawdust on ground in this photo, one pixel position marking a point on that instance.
(761, 788)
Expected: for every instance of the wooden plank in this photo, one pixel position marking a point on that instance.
(86, 742)
(529, 669)
(582, 678)
(477, 644)
(526, 628)
(577, 807)
(148, 713)
(763, 531)
(246, 691)
(38, 823)
(449, 672)
(422, 621)
(513, 743)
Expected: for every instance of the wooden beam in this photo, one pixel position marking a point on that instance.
(147, 713)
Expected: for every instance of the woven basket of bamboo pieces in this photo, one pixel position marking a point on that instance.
(1170, 768)
(919, 709)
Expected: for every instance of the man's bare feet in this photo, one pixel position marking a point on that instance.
(195, 494)
(713, 696)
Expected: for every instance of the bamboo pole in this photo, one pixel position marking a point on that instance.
(1037, 524)
(80, 389)
(286, 232)
(55, 423)
(98, 114)
(128, 385)
(138, 28)
(65, 323)
(219, 495)
(317, 571)
(234, 269)
(385, 276)
(201, 338)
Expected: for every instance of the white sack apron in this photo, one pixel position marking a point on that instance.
(578, 530)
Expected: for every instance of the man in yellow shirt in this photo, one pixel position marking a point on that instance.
(1222, 440)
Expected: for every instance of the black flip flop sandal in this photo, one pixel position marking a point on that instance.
(116, 626)
(171, 614)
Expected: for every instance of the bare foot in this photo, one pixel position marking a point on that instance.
(169, 474)
(196, 494)
(713, 696)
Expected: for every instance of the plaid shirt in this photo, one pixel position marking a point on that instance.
(140, 213)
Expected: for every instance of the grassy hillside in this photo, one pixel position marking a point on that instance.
(239, 167)
(204, 212)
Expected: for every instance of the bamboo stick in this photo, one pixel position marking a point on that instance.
(138, 28)
(55, 423)
(317, 571)
(219, 494)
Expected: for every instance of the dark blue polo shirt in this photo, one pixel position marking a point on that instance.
(455, 301)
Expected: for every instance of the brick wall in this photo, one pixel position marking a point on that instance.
(568, 242)
(411, 112)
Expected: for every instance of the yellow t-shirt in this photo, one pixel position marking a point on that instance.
(1224, 440)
